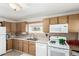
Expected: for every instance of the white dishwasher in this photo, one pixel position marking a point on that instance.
(41, 49)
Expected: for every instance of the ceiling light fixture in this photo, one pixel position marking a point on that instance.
(15, 6)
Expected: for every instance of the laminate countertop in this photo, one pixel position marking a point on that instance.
(25, 38)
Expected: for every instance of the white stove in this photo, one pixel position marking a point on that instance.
(57, 49)
(58, 46)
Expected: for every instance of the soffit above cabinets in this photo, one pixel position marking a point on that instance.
(34, 10)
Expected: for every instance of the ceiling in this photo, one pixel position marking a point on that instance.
(33, 10)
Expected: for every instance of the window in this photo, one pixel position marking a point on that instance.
(36, 28)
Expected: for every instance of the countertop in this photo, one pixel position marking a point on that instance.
(25, 38)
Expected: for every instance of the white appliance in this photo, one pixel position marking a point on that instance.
(56, 49)
(59, 28)
(41, 49)
(2, 40)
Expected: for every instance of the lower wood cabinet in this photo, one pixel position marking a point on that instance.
(9, 44)
(16, 44)
(32, 48)
(20, 46)
(25, 46)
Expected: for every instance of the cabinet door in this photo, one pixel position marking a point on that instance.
(18, 27)
(20, 45)
(32, 48)
(53, 20)
(23, 27)
(25, 46)
(13, 27)
(63, 20)
(9, 44)
(74, 23)
(46, 25)
(8, 27)
(16, 44)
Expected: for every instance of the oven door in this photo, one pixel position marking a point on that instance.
(54, 51)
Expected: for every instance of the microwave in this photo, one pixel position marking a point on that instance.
(59, 28)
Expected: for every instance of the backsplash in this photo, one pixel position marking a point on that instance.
(70, 36)
(40, 36)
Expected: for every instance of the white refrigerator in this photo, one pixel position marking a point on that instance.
(2, 40)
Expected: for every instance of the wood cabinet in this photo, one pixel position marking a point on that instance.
(46, 25)
(25, 46)
(8, 27)
(63, 20)
(18, 27)
(16, 44)
(74, 23)
(9, 44)
(20, 46)
(13, 27)
(32, 48)
(21, 27)
(53, 20)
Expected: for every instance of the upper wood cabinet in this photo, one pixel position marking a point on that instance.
(13, 27)
(8, 27)
(21, 27)
(63, 20)
(53, 20)
(18, 27)
(74, 23)
(46, 25)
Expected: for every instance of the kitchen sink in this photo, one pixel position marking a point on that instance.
(33, 39)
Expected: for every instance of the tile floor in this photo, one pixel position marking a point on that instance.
(16, 53)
